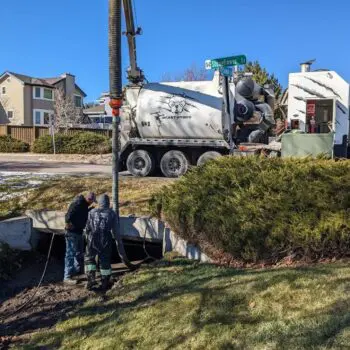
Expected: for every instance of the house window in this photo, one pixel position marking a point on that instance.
(3, 90)
(37, 120)
(41, 117)
(78, 101)
(48, 94)
(41, 93)
(46, 118)
(37, 92)
(10, 114)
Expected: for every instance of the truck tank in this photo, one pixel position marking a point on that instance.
(180, 110)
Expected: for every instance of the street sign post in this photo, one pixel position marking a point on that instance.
(225, 62)
(224, 65)
(226, 71)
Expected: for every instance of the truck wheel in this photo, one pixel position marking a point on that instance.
(174, 164)
(140, 163)
(207, 156)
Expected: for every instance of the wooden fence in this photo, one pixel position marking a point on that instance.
(30, 133)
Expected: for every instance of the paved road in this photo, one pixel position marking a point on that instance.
(33, 164)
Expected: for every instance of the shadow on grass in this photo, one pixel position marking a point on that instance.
(223, 301)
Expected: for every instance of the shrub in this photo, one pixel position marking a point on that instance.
(89, 142)
(262, 209)
(9, 144)
(43, 144)
(80, 143)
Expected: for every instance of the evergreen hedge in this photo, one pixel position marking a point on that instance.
(11, 145)
(258, 209)
(79, 143)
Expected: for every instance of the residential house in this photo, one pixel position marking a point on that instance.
(25, 100)
(100, 115)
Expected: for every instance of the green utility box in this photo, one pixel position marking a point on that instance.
(304, 145)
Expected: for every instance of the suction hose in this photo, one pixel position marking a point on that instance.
(115, 87)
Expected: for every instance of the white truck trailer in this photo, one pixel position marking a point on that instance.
(318, 104)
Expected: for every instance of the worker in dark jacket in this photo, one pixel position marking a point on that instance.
(76, 218)
(100, 231)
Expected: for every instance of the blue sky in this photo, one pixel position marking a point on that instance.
(45, 38)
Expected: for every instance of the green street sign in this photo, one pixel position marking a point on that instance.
(225, 62)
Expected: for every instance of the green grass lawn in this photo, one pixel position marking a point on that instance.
(184, 305)
(57, 193)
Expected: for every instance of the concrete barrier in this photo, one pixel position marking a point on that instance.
(138, 228)
(172, 242)
(47, 219)
(17, 233)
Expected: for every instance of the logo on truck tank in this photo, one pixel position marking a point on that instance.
(174, 107)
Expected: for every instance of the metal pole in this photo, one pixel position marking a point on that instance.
(226, 94)
(53, 140)
(115, 88)
(52, 132)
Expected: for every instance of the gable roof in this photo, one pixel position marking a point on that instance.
(46, 82)
(80, 90)
(96, 110)
(31, 80)
(54, 80)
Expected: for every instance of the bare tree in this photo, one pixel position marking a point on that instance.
(195, 74)
(66, 114)
(192, 73)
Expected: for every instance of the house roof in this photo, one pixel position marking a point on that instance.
(96, 110)
(54, 80)
(31, 80)
(81, 91)
(48, 82)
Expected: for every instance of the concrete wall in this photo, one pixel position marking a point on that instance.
(17, 233)
(131, 227)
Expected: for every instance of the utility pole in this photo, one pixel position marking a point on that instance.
(115, 88)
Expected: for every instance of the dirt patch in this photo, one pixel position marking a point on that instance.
(37, 309)
(25, 309)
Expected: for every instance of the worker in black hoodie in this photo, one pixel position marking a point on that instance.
(76, 218)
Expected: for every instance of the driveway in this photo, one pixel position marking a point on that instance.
(33, 163)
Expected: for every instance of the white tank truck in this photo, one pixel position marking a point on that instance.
(176, 125)
(173, 126)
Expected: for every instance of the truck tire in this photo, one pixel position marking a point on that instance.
(207, 156)
(140, 163)
(174, 164)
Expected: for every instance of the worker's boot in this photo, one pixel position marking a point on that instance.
(91, 277)
(105, 283)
